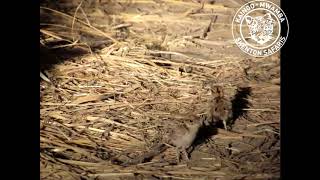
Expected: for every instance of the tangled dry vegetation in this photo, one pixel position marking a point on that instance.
(115, 73)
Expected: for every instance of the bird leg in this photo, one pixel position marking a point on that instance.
(225, 125)
(178, 155)
(185, 154)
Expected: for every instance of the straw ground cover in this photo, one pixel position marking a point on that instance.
(115, 74)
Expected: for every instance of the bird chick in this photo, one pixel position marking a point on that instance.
(183, 136)
(219, 107)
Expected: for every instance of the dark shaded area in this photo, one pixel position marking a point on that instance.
(205, 132)
(50, 57)
(240, 102)
(219, 124)
(163, 64)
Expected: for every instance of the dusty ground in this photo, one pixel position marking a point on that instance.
(128, 68)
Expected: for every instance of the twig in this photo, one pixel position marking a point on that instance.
(111, 174)
(270, 110)
(263, 123)
(74, 19)
(82, 22)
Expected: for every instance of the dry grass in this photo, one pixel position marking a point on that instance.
(115, 100)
